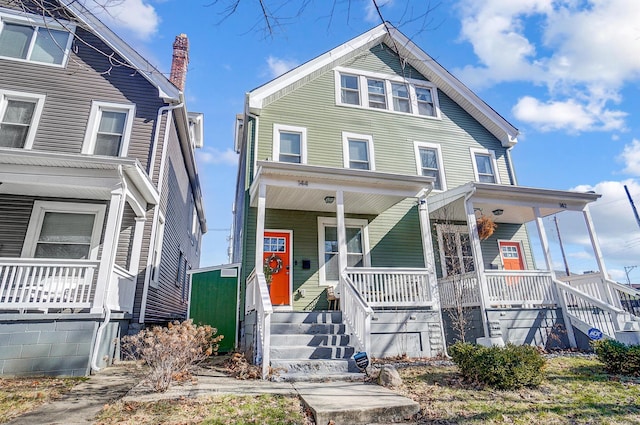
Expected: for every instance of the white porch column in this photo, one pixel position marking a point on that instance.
(109, 248)
(479, 265)
(262, 202)
(342, 233)
(427, 250)
(606, 290)
(138, 232)
(549, 262)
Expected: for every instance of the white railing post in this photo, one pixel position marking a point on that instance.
(356, 312)
(262, 205)
(427, 249)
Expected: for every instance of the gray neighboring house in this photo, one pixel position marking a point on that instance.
(101, 212)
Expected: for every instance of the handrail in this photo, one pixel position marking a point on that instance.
(257, 285)
(597, 302)
(623, 288)
(356, 312)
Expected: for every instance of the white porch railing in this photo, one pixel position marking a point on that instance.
(628, 297)
(619, 296)
(122, 290)
(258, 300)
(459, 290)
(30, 283)
(525, 288)
(356, 313)
(391, 287)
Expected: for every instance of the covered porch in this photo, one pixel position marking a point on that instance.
(73, 240)
(499, 272)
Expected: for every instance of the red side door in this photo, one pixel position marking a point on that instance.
(277, 254)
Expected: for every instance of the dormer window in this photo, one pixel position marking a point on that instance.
(33, 40)
(109, 129)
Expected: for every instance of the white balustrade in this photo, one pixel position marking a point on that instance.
(29, 283)
(522, 288)
(122, 290)
(391, 287)
(258, 300)
(356, 313)
(460, 290)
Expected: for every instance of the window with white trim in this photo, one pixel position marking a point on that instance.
(392, 93)
(357, 247)
(64, 230)
(34, 39)
(429, 163)
(456, 255)
(485, 165)
(358, 151)
(289, 144)
(19, 117)
(156, 258)
(109, 129)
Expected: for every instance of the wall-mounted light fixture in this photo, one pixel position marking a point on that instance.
(498, 211)
(329, 199)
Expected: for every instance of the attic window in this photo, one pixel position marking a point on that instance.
(23, 40)
(392, 93)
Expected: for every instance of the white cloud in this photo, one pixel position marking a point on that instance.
(278, 66)
(136, 17)
(584, 53)
(217, 157)
(371, 12)
(631, 157)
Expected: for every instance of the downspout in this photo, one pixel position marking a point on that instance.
(105, 302)
(156, 136)
(512, 171)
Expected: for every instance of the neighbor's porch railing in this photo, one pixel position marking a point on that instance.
(258, 299)
(31, 283)
(619, 296)
(392, 287)
(356, 313)
(526, 288)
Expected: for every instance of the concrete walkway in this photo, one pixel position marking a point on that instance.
(341, 402)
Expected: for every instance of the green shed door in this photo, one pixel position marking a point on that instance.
(214, 301)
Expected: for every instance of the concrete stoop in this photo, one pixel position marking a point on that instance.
(347, 403)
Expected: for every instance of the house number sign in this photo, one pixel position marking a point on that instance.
(563, 205)
(303, 182)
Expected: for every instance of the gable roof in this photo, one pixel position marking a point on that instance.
(166, 89)
(421, 61)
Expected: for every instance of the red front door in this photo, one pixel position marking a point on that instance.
(277, 253)
(511, 254)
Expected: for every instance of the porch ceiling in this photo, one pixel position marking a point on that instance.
(305, 187)
(516, 202)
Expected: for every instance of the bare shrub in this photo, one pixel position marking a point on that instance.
(172, 352)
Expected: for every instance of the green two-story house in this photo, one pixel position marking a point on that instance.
(363, 176)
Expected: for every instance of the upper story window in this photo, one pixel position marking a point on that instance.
(358, 151)
(485, 166)
(429, 163)
(386, 92)
(289, 144)
(349, 89)
(34, 40)
(109, 129)
(19, 117)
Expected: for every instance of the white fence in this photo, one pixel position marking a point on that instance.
(28, 283)
(520, 288)
(391, 287)
(258, 299)
(356, 313)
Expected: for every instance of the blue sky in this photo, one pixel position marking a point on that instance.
(565, 72)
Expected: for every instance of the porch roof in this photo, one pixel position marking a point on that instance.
(30, 172)
(516, 202)
(305, 187)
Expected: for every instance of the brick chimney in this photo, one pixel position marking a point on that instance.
(180, 61)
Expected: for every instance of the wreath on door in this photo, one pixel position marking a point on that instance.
(271, 259)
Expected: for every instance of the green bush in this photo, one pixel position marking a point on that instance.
(504, 368)
(617, 357)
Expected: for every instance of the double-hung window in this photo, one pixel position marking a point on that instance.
(289, 144)
(426, 105)
(485, 165)
(349, 89)
(357, 247)
(34, 40)
(401, 100)
(358, 151)
(377, 96)
(64, 230)
(429, 163)
(19, 116)
(109, 129)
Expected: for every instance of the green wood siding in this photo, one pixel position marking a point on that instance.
(313, 106)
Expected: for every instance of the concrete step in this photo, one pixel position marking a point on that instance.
(312, 340)
(315, 367)
(306, 328)
(305, 352)
(307, 317)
